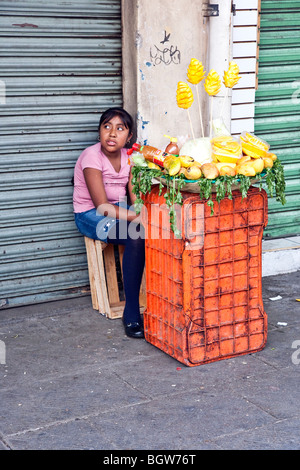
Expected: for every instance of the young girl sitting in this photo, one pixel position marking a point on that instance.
(101, 177)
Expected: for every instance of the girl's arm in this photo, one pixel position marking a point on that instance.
(94, 182)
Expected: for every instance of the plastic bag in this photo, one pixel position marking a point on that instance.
(137, 159)
(199, 149)
(219, 128)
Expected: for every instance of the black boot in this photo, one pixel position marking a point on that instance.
(134, 329)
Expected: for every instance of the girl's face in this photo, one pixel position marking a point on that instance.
(113, 136)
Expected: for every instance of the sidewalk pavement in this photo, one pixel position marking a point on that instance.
(72, 380)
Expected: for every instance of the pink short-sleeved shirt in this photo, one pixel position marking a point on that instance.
(114, 183)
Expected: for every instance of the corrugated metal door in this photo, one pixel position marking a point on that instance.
(277, 107)
(60, 68)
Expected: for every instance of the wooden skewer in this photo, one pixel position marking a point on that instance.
(191, 124)
(200, 112)
(211, 115)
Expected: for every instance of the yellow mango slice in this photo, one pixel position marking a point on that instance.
(212, 83)
(195, 72)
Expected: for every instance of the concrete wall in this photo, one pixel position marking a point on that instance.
(160, 37)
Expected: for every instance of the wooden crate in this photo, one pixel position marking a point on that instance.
(104, 281)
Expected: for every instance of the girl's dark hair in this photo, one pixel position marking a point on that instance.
(113, 112)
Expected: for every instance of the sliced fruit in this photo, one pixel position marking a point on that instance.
(253, 145)
(226, 149)
(256, 141)
(153, 166)
(219, 165)
(221, 139)
(232, 147)
(227, 158)
(253, 151)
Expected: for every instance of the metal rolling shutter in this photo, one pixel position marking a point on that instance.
(60, 68)
(277, 107)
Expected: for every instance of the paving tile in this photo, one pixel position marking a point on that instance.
(276, 392)
(181, 421)
(64, 398)
(163, 375)
(74, 435)
(42, 349)
(281, 348)
(281, 435)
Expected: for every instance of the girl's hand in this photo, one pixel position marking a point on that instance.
(137, 219)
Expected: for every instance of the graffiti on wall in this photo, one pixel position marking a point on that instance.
(165, 53)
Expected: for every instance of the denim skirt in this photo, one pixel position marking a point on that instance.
(96, 226)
